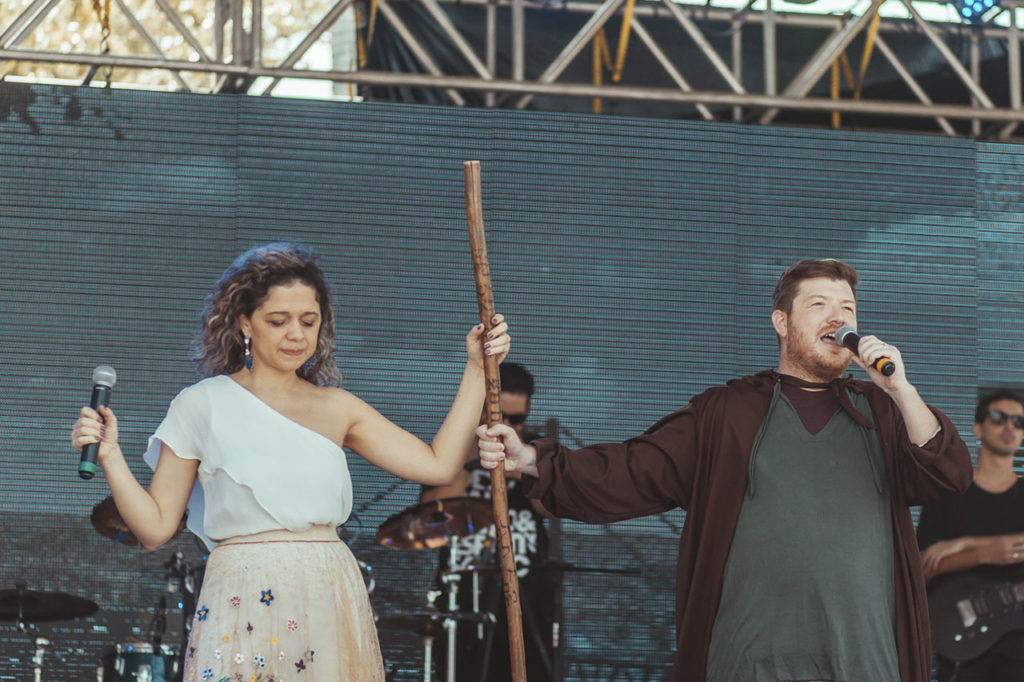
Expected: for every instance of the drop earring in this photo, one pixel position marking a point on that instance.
(248, 355)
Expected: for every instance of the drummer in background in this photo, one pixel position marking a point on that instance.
(530, 545)
(262, 436)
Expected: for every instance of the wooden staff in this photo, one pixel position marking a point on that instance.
(499, 494)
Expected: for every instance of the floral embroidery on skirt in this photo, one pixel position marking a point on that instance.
(273, 610)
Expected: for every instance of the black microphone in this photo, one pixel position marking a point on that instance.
(848, 336)
(103, 378)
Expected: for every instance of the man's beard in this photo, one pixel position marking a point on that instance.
(814, 362)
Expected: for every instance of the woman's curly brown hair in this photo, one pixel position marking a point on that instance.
(219, 346)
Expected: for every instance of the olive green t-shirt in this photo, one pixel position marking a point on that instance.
(808, 588)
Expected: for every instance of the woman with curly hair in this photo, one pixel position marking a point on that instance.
(254, 451)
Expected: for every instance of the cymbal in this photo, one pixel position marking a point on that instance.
(430, 623)
(33, 606)
(430, 524)
(107, 520)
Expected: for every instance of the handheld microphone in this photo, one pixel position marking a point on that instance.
(103, 378)
(848, 336)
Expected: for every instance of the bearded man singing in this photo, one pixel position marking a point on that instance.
(798, 559)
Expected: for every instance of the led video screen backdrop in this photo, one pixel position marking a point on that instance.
(634, 258)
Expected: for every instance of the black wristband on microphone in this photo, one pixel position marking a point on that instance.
(103, 378)
(847, 336)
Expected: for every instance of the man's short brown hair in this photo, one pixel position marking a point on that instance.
(809, 268)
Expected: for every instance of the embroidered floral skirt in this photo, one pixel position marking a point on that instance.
(283, 606)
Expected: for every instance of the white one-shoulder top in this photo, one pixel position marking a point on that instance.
(258, 470)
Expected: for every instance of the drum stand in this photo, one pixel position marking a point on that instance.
(178, 570)
(37, 659)
(40, 642)
(428, 660)
(453, 616)
(451, 625)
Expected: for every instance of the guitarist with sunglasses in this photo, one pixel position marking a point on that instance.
(972, 549)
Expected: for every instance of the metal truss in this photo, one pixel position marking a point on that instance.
(236, 58)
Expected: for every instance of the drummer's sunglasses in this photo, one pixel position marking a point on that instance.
(998, 418)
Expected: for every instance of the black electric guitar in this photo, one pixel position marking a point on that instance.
(970, 613)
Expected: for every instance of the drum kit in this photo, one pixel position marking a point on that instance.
(431, 525)
(139, 661)
(440, 523)
(27, 607)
